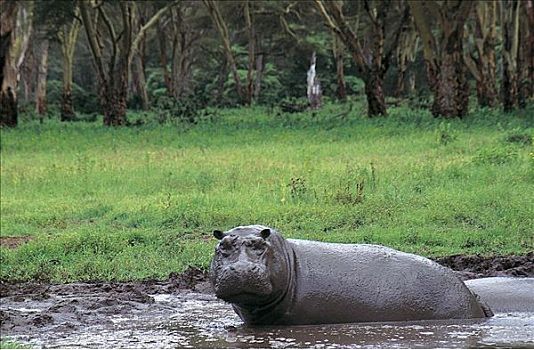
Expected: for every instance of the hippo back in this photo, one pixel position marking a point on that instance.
(338, 283)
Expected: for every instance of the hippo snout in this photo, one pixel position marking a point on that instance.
(242, 278)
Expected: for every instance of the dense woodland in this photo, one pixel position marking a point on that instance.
(93, 57)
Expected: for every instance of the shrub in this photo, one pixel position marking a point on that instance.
(84, 101)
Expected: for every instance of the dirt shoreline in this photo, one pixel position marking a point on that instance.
(196, 280)
(41, 308)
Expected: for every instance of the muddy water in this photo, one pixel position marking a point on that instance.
(88, 316)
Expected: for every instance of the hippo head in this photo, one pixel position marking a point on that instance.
(249, 266)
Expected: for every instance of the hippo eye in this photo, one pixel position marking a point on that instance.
(258, 246)
(226, 246)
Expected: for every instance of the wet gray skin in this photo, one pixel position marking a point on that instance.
(273, 281)
(505, 294)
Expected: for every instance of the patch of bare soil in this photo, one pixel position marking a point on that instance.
(26, 308)
(14, 242)
(476, 266)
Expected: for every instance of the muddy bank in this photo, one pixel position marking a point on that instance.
(28, 308)
(196, 280)
(113, 314)
(476, 266)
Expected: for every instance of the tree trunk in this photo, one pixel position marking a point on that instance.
(67, 107)
(122, 47)
(223, 33)
(251, 49)
(114, 97)
(452, 94)
(410, 86)
(510, 33)
(259, 76)
(182, 52)
(313, 92)
(486, 88)
(8, 98)
(338, 50)
(162, 39)
(67, 37)
(487, 95)
(374, 92)
(482, 65)
(374, 69)
(8, 108)
(525, 58)
(137, 63)
(529, 5)
(28, 73)
(15, 30)
(139, 81)
(399, 85)
(374, 78)
(223, 75)
(406, 54)
(444, 54)
(42, 71)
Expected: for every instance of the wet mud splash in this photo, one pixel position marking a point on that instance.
(182, 312)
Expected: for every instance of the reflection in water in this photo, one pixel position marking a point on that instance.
(200, 321)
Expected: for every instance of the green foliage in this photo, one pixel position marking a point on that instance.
(131, 203)
(188, 110)
(271, 86)
(85, 102)
(354, 84)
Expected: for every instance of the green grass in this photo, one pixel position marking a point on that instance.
(12, 345)
(139, 202)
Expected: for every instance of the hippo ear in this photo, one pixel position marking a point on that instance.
(265, 233)
(218, 234)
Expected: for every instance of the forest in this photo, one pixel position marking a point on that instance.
(132, 129)
(75, 60)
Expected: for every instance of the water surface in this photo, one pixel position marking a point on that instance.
(194, 320)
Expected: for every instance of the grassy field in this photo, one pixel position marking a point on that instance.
(138, 202)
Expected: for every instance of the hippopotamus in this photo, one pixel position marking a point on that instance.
(270, 280)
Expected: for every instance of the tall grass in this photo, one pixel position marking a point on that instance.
(138, 202)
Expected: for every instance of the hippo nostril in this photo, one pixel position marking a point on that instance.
(232, 268)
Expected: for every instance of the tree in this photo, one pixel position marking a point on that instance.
(113, 50)
(481, 59)
(406, 53)
(510, 32)
(67, 36)
(251, 36)
(137, 78)
(339, 52)
(443, 52)
(58, 20)
(182, 28)
(15, 30)
(41, 105)
(526, 53)
(222, 29)
(372, 61)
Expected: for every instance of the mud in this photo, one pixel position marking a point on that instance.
(476, 266)
(182, 312)
(14, 242)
